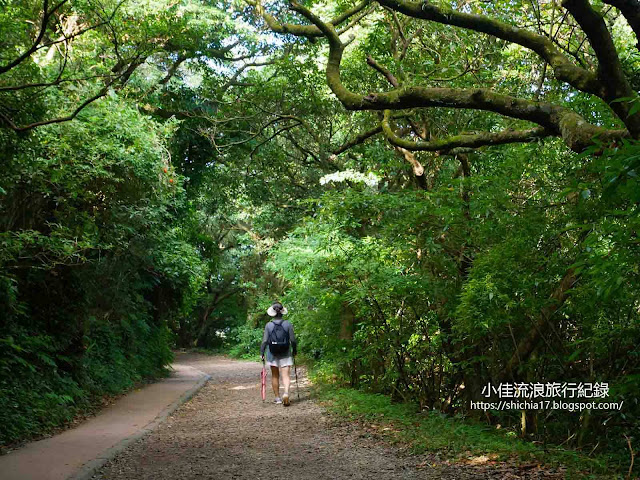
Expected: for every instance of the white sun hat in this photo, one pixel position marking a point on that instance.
(272, 313)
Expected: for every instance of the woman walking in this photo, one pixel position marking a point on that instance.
(279, 336)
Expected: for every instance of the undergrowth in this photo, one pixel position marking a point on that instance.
(43, 390)
(451, 437)
(245, 343)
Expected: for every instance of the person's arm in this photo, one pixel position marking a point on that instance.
(265, 339)
(292, 339)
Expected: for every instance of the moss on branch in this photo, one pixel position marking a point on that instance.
(563, 68)
(470, 141)
(575, 131)
(309, 31)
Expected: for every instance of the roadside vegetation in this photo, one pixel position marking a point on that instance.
(456, 438)
(444, 194)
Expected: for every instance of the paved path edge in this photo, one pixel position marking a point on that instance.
(89, 468)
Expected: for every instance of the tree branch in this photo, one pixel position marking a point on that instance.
(530, 341)
(122, 78)
(610, 70)
(630, 9)
(576, 132)
(563, 68)
(233, 80)
(46, 16)
(384, 71)
(357, 140)
(65, 39)
(407, 154)
(74, 114)
(58, 81)
(469, 141)
(271, 137)
(173, 69)
(309, 31)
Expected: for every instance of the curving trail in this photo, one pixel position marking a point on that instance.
(227, 432)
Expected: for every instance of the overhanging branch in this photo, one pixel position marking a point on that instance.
(309, 31)
(469, 141)
(610, 71)
(46, 16)
(630, 9)
(357, 140)
(384, 71)
(576, 132)
(122, 79)
(563, 68)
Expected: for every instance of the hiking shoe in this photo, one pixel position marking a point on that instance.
(285, 399)
(278, 400)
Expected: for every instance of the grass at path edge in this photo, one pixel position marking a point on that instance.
(451, 437)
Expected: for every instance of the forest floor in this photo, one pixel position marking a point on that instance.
(227, 432)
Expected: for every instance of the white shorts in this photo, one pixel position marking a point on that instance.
(278, 362)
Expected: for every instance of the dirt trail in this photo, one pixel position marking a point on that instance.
(227, 432)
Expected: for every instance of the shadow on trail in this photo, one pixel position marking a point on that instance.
(226, 431)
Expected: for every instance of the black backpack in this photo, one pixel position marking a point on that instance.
(278, 339)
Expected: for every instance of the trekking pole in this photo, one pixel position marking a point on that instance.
(295, 369)
(263, 379)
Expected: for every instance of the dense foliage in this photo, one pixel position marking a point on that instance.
(84, 251)
(441, 200)
(99, 242)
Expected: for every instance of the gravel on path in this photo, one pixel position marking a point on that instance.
(226, 431)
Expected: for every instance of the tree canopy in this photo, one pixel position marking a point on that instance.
(444, 194)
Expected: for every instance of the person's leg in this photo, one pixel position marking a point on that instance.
(286, 380)
(275, 381)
